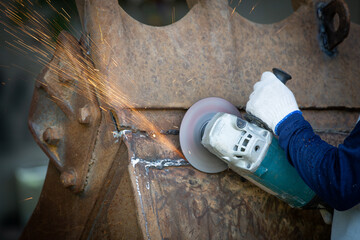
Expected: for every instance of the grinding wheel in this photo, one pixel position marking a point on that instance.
(191, 128)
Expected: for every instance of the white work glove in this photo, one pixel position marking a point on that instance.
(271, 101)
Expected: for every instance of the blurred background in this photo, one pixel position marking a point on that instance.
(22, 164)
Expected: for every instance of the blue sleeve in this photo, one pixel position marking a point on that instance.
(333, 173)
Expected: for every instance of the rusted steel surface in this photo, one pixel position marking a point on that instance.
(130, 186)
(69, 208)
(334, 120)
(212, 52)
(182, 203)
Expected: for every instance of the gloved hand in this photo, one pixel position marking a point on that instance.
(271, 101)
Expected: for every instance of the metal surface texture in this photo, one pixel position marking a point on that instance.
(212, 52)
(104, 184)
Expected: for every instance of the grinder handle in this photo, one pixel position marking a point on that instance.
(281, 75)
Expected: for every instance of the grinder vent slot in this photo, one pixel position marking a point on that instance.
(245, 142)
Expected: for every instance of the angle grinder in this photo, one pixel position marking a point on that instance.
(214, 137)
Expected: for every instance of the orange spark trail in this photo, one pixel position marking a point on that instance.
(252, 9)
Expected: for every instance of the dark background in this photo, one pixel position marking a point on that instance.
(22, 164)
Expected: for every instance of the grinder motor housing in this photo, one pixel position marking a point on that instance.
(254, 153)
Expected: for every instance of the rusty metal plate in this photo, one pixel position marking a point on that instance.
(182, 203)
(212, 52)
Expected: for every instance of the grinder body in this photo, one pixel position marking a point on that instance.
(254, 153)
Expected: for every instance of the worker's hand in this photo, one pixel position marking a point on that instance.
(271, 101)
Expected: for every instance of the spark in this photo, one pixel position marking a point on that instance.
(233, 11)
(101, 34)
(57, 98)
(238, 4)
(23, 69)
(104, 109)
(282, 28)
(115, 63)
(66, 13)
(27, 199)
(17, 48)
(252, 9)
(173, 15)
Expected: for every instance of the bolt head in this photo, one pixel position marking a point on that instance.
(65, 73)
(51, 136)
(68, 178)
(85, 115)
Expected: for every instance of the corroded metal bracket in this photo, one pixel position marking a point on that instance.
(334, 24)
(135, 187)
(65, 114)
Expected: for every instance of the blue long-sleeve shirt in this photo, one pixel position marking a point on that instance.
(332, 173)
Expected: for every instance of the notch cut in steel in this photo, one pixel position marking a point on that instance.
(334, 24)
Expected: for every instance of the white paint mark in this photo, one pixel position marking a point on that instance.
(120, 134)
(142, 206)
(158, 164)
(134, 161)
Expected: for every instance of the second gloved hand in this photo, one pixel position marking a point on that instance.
(271, 101)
